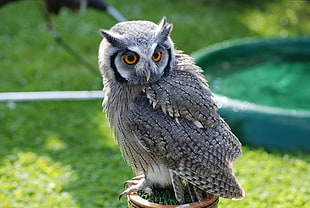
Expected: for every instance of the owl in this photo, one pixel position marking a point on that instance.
(163, 115)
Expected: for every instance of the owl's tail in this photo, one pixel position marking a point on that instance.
(223, 184)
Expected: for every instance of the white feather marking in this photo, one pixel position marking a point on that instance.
(198, 124)
(177, 120)
(170, 110)
(163, 108)
(147, 94)
(177, 114)
(154, 104)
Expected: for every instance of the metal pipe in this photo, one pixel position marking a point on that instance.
(51, 95)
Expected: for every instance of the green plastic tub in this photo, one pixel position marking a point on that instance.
(263, 89)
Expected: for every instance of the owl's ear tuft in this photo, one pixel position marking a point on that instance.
(164, 30)
(163, 21)
(112, 38)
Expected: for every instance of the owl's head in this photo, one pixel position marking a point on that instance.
(136, 52)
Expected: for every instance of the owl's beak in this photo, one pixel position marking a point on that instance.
(148, 75)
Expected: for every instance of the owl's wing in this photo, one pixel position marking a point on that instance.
(184, 94)
(201, 156)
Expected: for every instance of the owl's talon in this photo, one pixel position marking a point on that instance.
(138, 177)
(136, 184)
(134, 181)
(130, 183)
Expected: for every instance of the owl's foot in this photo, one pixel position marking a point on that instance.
(136, 184)
(134, 180)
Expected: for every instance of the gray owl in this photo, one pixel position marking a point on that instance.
(163, 115)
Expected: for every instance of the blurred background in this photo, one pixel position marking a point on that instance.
(61, 153)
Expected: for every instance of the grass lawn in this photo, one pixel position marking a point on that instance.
(61, 153)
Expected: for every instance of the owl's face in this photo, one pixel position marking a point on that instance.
(136, 52)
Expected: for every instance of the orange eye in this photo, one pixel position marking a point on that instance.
(131, 59)
(157, 56)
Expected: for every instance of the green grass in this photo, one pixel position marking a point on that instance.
(166, 195)
(61, 153)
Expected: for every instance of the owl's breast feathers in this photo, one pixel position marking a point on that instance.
(176, 121)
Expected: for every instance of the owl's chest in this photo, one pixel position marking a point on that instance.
(117, 102)
(121, 116)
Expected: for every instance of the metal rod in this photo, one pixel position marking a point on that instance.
(51, 95)
(115, 13)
